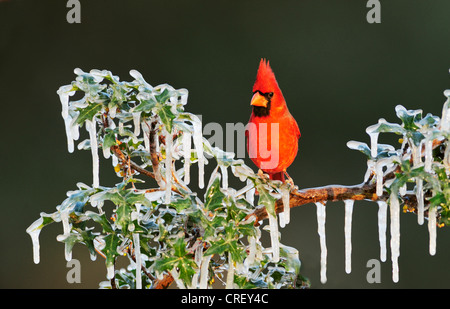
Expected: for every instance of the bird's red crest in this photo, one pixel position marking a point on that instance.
(265, 78)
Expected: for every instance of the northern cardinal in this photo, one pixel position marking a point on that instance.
(272, 133)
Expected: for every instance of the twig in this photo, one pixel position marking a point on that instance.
(153, 154)
(164, 283)
(133, 257)
(119, 154)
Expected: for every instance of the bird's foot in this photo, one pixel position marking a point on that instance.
(263, 176)
(288, 179)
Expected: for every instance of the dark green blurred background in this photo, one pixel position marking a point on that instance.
(338, 73)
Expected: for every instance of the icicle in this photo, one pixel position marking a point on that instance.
(373, 143)
(382, 224)
(34, 230)
(70, 144)
(198, 143)
(137, 125)
(64, 98)
(204, 272)
(110, 271)
(66, 230)
(286, 214)
(224, 171)
(274, 238)
(121, 130)
(169, 141)
(428, 154)
(282, 221)
(379, 175)
(251, 251)
(432, 229)
(416, 153)
(75, 128)
(113, 111)
(91, 128)
(445, 119)
(402, 190)
(137, 254)
(198, 258)
(420, 200)
(250, 194)
(187, 141)
(177, 279)
(395, 233)
(230, 275)
(348, 234)
(321, 216)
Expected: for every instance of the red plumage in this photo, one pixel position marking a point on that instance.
(272, 133)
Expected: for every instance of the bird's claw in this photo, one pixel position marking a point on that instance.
(288, 180)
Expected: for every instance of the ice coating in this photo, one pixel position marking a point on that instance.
(137, 253)
(428, 155)
(110, 271)
(379, 177)
(70, 143)
(275, 242)
(395, 233)
(137, 124)
(91, 128)
(187, 144)
(176, 277)
(66, 230)
(204, 271)
(251, 250)
(250, 194)
(169, 143)
(224, 171)
(373, 134)
(382, 225)
(285, 196)
(432, 230)
(348, 234)
(230, 274)
(445, 119)
(198, 143)
(420, 200)
(146, 137)
(34, 230)
(321, 216)
(416, 153)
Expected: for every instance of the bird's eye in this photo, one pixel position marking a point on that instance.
(270, 95)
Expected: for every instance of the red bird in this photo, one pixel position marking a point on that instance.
(272, 133)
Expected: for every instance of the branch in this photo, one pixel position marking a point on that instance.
(119, 154)
(334, 193)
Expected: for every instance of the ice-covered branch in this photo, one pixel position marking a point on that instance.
(334, 193)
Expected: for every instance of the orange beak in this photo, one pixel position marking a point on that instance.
(258, 100)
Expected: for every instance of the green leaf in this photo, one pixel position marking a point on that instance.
(165, 114)
(165, 263)
(180, 248)
(266, 199)
(89, 112)
(145, 105)
(123, 217)
(181, 204)
(110, 249)
(214, 198)
(109, 140)
(102, 220)
(186, 268)
(217, 247)
(133, 198)
(163, 96)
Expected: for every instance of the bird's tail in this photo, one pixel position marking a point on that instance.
(277, 176)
